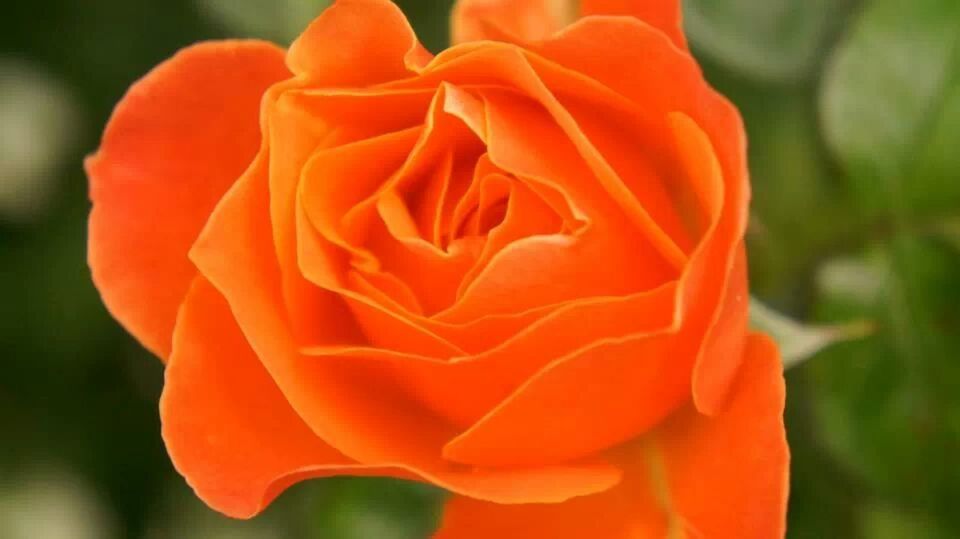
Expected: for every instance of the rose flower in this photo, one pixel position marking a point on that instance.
(514, 270)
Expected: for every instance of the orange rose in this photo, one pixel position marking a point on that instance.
(514, 270)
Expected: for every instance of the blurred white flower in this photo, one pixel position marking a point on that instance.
(183, 516)
(38, 128)
(860, 279)
(53, 505)
(799, 342)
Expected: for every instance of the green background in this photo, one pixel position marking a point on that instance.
(853, 113)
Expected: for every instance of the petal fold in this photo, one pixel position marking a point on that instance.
(532, 20)
(696, 476)
(664, 15)
(175, 143)
(358, 413)
(228, 428)
(508, 20)
(357, 43)
(711, 142)
(233, 435)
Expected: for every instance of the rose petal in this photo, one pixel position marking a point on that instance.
(230, 431)
(432, 199)
(179, 138)
(323, 207)
(553, 268)
(625, 365)
(495, 374)
(636, 211)
(644, 159)
(433, 275)
(720, 354)
(473, 337)
(346, 405)
(696, 477)
(582, 403)
(508, 20)
(385, 290)
(523, 21)
(298, 124)
(718, 358)
(336, 179)
(598, 48)
(308, 114)
(370, 33)
(498, 64)
(664, 15)
(227, 426)
(235, 253)
(526, 215)
(383, 326)
(432, 271)
(320, 262)
(443, 137)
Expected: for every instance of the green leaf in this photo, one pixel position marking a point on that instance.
(279, 20)
(765, 39)
(797, 203)
(797, 341)
(884, 522)
(886, 406)
(937, 165)
(891, 103)
(358, 508)
(949, 230)
(40, 121)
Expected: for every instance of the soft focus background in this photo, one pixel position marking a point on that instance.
(853, 112)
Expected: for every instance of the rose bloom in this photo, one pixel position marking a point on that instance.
(514, 270)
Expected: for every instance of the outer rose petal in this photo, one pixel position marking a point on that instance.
(664, 15)
(355, 43)
(179, 138)
(475, 20)
(719, 357)
(697, 476)
(232, 433)
(227, 427)
(530, 20)
(598, 48)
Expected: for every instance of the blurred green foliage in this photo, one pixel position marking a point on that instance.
(853, 113)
